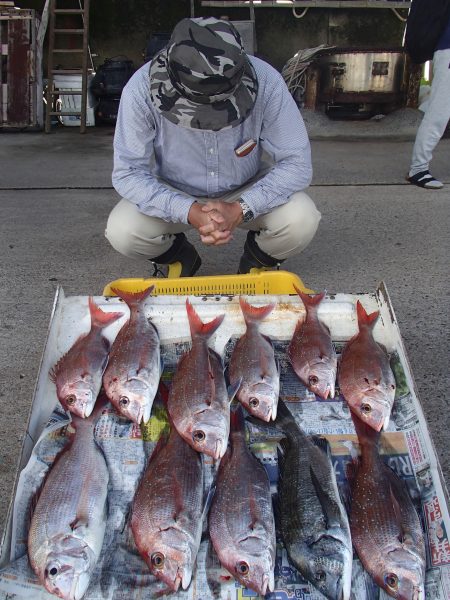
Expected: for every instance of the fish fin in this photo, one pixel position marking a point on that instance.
(397, 513)
(400, 497)
(281, 455)
(310, 301)
(330, 506)
(132, 299)
(364, 319)
(99, 318)
(321, 443)
(253, 314)
(208, 500)
(197, 327)
(351, 469)
(233, 389)
(264, 363)
(163, 392)
(178, 497)
(82, 513)
(253, 506)
(237, 421)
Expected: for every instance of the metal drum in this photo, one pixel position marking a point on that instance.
(369, 74)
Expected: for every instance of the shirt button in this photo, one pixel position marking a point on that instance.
(211, 150)
(212, 173)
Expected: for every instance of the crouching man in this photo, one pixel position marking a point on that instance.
(210, 138)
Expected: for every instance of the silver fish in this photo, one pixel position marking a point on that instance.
(385, 526)
(253, 361)
(311, 351)
(366, 379)
(241, 521)
(68, 523)
(134, 368)
(198, 404)
(78, 374)
(313, 521)
(167, 512)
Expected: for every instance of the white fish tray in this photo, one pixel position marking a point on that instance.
(408, 446)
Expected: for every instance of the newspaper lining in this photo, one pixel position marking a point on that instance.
(121, 574)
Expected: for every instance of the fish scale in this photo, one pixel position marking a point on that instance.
(71, 508)
(167, 510)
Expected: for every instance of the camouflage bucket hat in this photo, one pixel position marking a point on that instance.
(203, 79)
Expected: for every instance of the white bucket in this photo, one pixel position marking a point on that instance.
(70, 103)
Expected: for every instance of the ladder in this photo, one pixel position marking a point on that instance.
(76, 43)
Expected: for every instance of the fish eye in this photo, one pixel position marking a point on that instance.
(254, 402)
(52, 571)
(124, 401)
(391, 580)
(158, 560)
(198, 436)
(313, 380)
(242, 568)
(70, 399)
(366, 408)
(320, 575)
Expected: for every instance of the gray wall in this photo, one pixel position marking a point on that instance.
(124, 27)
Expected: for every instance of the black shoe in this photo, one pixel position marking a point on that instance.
(254, 258)
(182, 258)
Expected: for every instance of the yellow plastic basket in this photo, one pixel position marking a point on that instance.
(266, 282)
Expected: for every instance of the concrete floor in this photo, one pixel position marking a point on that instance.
(55, 196)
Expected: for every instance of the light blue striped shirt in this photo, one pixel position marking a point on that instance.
(150, 151)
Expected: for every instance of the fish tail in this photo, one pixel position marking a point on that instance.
(368, 437)
(91, 421)
(285, 419)
(310, 301)
(198, 328)
(99, 318)
(364, 319)
(133, 298)
(255, 313)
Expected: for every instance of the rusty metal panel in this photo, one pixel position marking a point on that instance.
(18, 113)
(20, 70)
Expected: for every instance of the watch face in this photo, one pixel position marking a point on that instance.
(247, 213)
(248, 216)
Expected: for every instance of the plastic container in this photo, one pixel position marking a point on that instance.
(68, 103)
(266, 282)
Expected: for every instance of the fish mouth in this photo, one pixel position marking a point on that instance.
(177, 582)
(218, 450)
(265, 585)
(418, 593)
(268, 584)
(88, 407)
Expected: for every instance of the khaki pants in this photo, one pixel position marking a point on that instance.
(283, 232)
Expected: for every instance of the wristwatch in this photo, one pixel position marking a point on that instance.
(247, 213)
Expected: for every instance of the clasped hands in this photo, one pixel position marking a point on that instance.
(215, 221)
